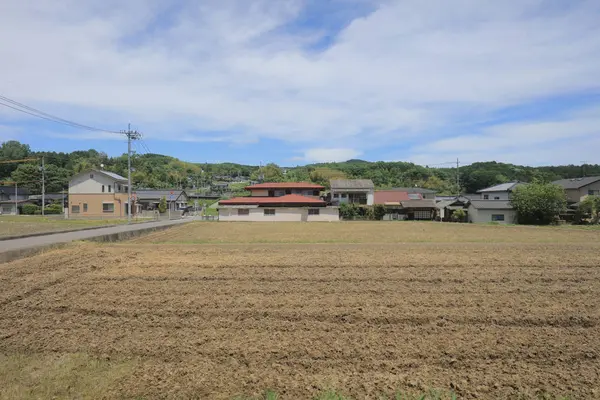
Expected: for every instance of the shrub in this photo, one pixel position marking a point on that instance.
(348, 211)
(162, 206)
(30, 209)
(538, 203)
(459, 215)
(379, 211)
(53, 209)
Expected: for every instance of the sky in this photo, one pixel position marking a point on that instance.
(302, 81)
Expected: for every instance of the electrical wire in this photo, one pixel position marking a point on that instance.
(15, 105)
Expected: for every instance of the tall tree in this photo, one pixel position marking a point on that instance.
(538, 203)
(12, 150)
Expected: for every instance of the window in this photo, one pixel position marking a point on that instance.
(313, 211)
(109, 188)
(243, 211)
(315, 193)
(288, 191)
(497, 217)
(75, 209)
(269, 211)
(422, 215)
(344, 196)
(102, 188)
(593, 192)
(486, 197)
(496, 198)
(84, 207)
(91, 176)
(108, 207)
(119, 188)
(336, 196)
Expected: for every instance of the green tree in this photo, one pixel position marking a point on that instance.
(162, 205)
(269, 173)
(379, 211)
(590, 207)
(538, 203)
(12, 150)
(348, 211)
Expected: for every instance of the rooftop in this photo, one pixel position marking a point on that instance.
(285, 185)
(418, 204)
(292, 199)
(390, 197)
(491, 204)
(577, 183)
(158, 194)
(352, 184)
(503, 187)
(113, 175)
(415, 190)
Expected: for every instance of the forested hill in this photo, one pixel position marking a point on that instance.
(159, 171)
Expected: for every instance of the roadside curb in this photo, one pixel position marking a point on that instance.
(28, 235)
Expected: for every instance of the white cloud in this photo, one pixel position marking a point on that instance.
(413, 68)
(329, 155)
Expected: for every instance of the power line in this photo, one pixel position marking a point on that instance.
(15, 105)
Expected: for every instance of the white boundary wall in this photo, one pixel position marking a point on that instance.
(282, 214)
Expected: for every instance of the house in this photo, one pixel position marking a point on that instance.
(499, 192)
(447, 207)
(405, 206)
(426, 194)
(277, 189)
(352, 191)
(576, 189)
(482, 211)
(286, 201)
(177, 199)
(98, 193)
(12, 198)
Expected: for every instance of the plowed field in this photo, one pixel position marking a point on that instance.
(145, 319)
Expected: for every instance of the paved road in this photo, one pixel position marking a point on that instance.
(56, 238)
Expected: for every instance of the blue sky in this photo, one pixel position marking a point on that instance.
(299, 81)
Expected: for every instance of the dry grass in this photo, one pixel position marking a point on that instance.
(482, 319)
(367, 232)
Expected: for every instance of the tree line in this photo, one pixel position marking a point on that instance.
(155, 171)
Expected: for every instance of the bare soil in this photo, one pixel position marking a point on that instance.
(487, 320)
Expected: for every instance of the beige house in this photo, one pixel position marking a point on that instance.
(98, 194)
(484, 211)
(577, 188)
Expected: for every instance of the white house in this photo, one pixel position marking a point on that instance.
(499, 192)
(357, 191)
(500, 211)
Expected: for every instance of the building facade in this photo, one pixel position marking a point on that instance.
(98, 194)
(577, 188)
(499, 192)
(352, 191)
(486, 211)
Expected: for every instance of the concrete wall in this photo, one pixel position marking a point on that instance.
(82, 183)
(493, 195)
(94, 205)
(282, 214)
(485, 216)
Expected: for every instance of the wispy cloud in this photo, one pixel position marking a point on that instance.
(374, 75)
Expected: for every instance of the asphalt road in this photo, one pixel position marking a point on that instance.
(57, 238)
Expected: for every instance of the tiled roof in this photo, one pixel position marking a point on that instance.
(503, 187)
(577, 183)
(418, 204)
(285, 185)
(352, 184)
(390, 196)
(292, 199)
(415, 190)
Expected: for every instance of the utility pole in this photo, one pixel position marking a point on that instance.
(457, 177)
(16, 201)
(131, 135)
(43, 187)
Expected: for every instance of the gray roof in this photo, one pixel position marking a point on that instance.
(577, 183)
(159, 194)
(491, 204)
(503, 187)
(10, 190)
(418, 204)
(352, 184)
(113, 175)
(414, 190)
